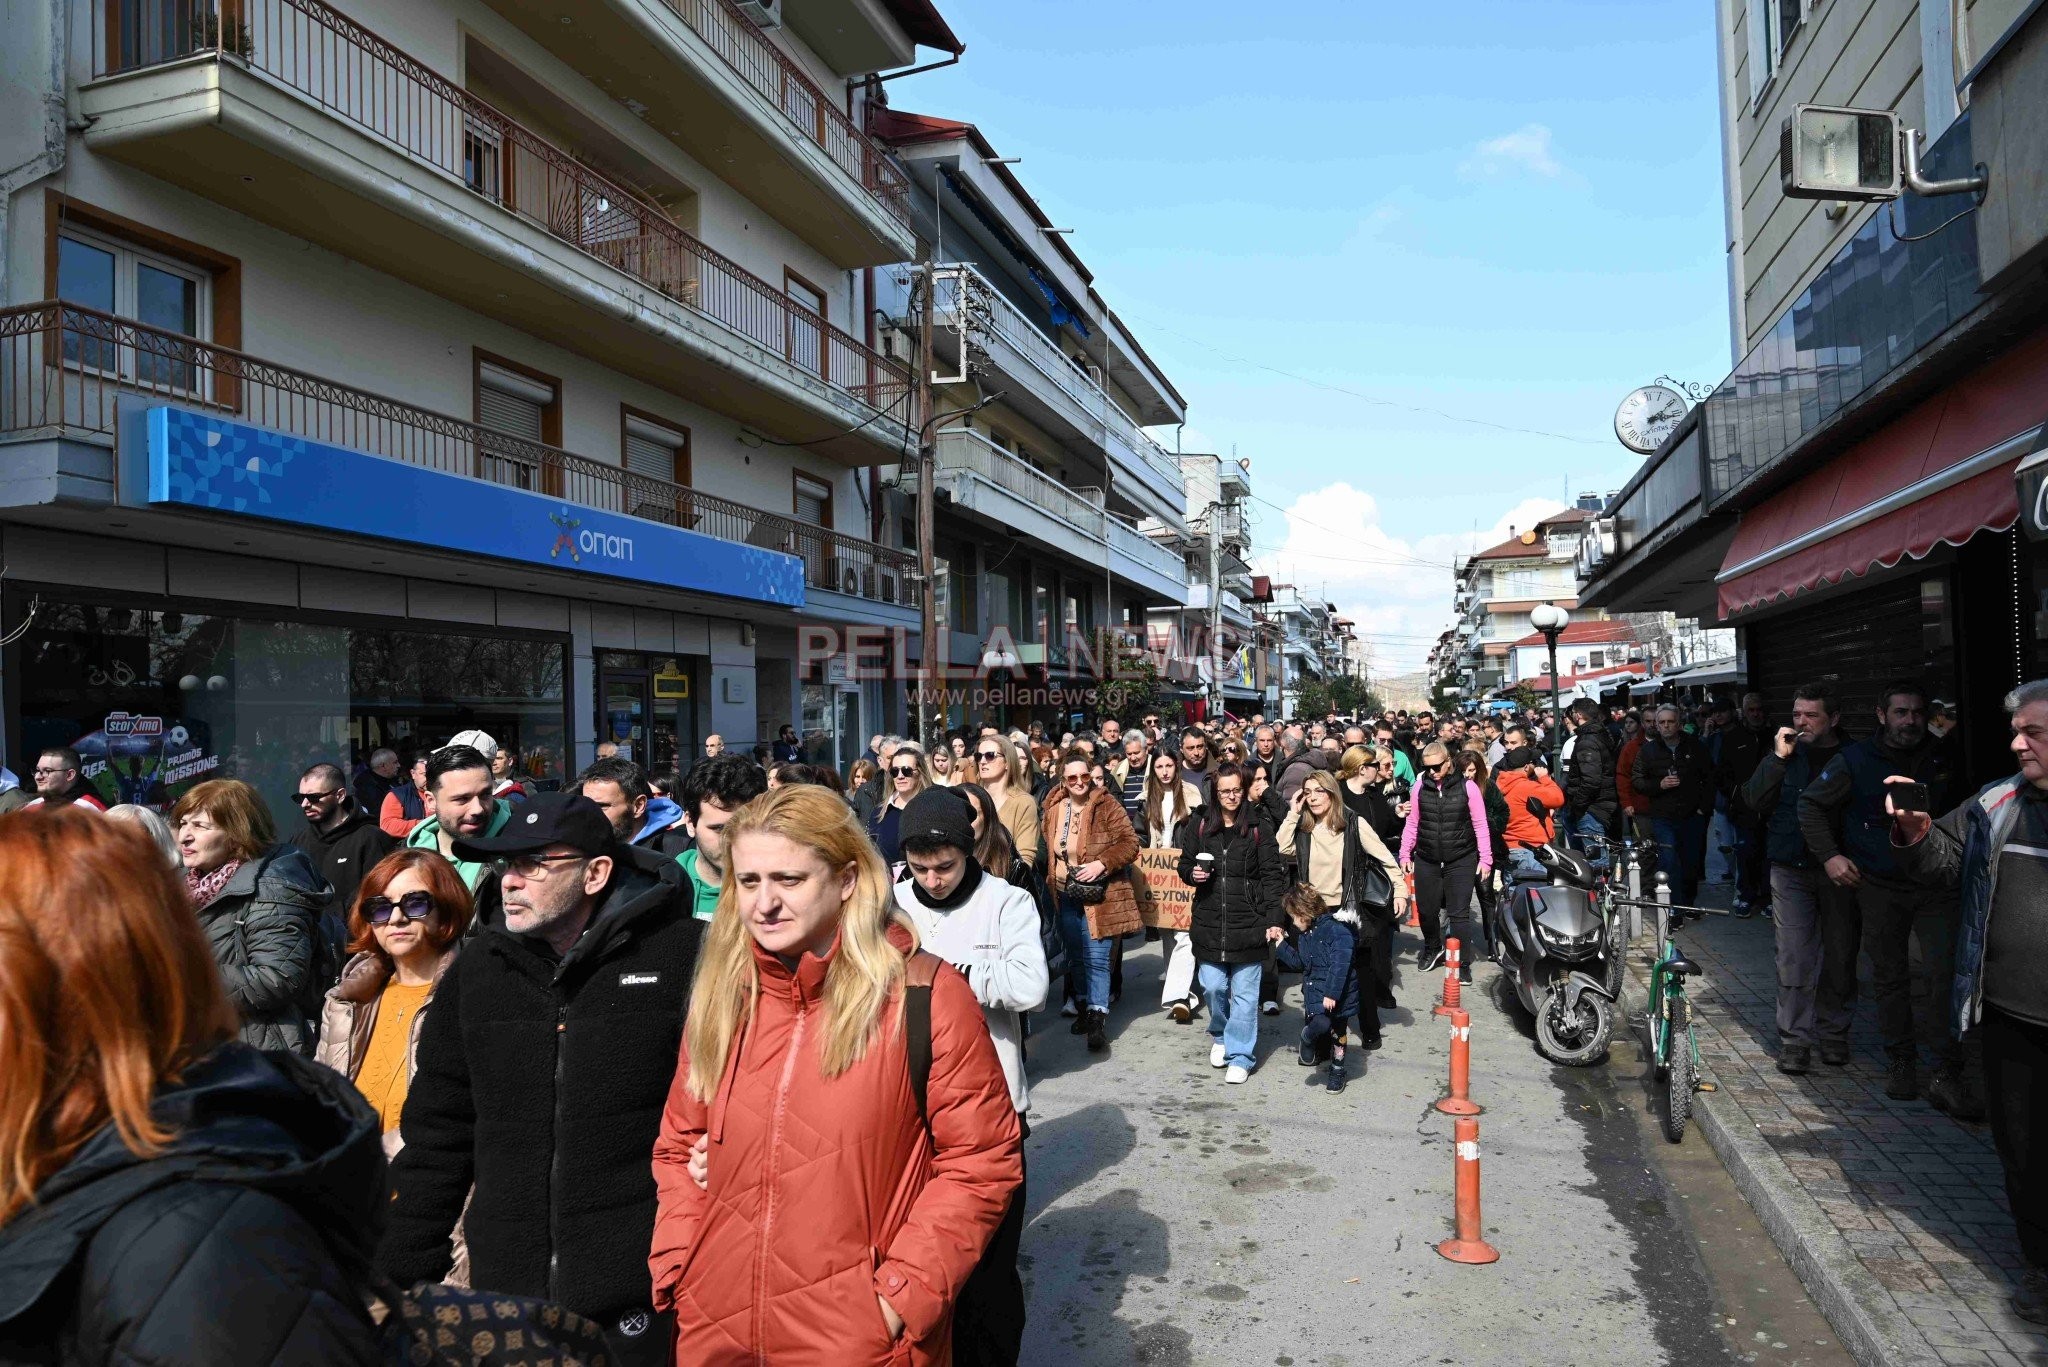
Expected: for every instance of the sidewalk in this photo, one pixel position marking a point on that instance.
(1893, 1214)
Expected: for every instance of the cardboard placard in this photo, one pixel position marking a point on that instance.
(1163, 900)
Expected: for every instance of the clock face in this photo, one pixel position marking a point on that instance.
(1648, 416)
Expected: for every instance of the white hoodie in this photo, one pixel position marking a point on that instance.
(992, 937)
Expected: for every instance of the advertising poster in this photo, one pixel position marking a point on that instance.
(146, 760)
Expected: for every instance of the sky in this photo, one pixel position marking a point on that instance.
(1404, 258)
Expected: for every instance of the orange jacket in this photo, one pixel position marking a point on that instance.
(1624, 764)
(1524, 829)
(824, 1193)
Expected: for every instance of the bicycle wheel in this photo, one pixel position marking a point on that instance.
(1679, 1074)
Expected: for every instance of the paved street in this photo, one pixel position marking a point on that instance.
(1179, 1221)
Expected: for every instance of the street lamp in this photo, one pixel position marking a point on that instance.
(1550, 619)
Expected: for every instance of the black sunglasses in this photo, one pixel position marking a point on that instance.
(417, 906)
(303, 798)
(986, 756)
(900, 772)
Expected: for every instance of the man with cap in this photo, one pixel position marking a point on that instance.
(988, 929)
(542, 1072)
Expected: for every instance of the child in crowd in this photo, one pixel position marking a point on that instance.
(1328, 939)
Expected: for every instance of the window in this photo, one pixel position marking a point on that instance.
(804, 338)
(658, 450)
(524, 404)
(813, 505)
(1772, 24)
(1596, 659)
(482, 154)
(116, 277)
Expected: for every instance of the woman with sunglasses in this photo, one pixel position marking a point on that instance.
(907, 776)
(1446, 846)
(999, 769)
(1091, 843)
(404, 928)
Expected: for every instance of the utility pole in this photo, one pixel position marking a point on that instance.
(930, 653)
(1215, 516)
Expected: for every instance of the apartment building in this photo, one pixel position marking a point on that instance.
(1500, 585)
(373, 371)
(1313, 642)
(1045, 472)
(1847, 498)
(1210, 640)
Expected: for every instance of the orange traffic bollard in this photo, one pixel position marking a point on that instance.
(1414, 911)
(1458, 1101)
(1467, 1245)
(1449, 1001)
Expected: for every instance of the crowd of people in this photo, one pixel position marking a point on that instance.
(735, 1062)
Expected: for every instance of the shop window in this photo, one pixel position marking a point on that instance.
(158, 699)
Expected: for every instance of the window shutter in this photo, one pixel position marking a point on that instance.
(511, 403)
(1758, 13)
(653, 450)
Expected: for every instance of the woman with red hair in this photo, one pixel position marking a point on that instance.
(410, 914)
(165, 1191)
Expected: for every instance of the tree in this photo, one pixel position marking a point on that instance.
(1128, 683)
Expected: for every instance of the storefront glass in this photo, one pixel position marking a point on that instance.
(157, 700)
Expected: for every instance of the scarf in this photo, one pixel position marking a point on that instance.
(204, 887)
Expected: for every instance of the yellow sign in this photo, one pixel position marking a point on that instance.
(668, 685)
(1163, 900)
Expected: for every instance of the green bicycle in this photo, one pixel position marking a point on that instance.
(1674, 1048)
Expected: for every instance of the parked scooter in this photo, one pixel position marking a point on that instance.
(1551, 942)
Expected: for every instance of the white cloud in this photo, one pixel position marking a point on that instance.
(1397, 590)
(1526, 151)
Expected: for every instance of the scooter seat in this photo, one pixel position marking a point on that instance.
(1681, 965)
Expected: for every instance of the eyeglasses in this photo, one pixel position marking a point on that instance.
(988, 756)
(417, 906)
(49, 773)
(303, 798)
(532, 865)
(898, 771)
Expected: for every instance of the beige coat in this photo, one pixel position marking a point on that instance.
(1322, 866)
(1019, 813)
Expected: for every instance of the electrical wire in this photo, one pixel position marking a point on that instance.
(835, 436)
(1371, 398)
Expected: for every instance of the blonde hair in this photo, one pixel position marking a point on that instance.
(1438, 750)
(925, 777)
(1355, 762)
(865, 975)
(1334, 818)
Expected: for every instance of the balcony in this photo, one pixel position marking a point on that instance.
(300, 117)
(705, 75)
(1047, 386)
(64, 368)
(982, 478)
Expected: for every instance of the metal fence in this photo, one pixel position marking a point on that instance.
(325, 57)
(63, 368)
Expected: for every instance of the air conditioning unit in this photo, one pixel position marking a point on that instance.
(881, 584)
(846, 577)
(766, 13)
(898, 345)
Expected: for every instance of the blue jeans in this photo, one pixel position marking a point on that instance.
(1087, 959)
(1681, 853)
(1524, 867)
(1232, 994)
(1589, 825)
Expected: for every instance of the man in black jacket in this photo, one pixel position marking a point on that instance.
(543, 1068)
(1591, 803)
(1842, 815)
(341, 840)
(1742, 745)
(1673, 770)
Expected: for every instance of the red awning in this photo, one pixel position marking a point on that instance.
(1937, 475)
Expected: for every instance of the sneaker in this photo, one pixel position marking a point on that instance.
(2030, 1301)
(1431, 959)
(1080, 1025)
(1902, 1080)
(1334, 1081)
(1834, 1053)
(1067, 1008)
(1795, 1059)
(1180, 1013)
(1217, 1056)
(1742, 909)
(1765, 912)
(1310, 1055)
(1465, 975)
(1098, 1037)
(1235, 1074)
(1269, 1008)
(1194, 1005)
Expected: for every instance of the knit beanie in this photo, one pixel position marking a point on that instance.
(937, 816)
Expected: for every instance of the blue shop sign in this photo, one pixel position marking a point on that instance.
(198, 460)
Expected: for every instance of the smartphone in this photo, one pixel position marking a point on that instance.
(1907, 797)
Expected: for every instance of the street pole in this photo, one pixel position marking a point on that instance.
(1215, 612)
(1556, 715)
(929, 650)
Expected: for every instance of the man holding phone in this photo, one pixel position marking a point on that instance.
(1842, 814)
(1994, 849)
(1817, 928)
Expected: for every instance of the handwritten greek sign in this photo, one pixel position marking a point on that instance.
(1163, 900)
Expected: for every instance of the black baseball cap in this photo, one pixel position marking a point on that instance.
(542, 820)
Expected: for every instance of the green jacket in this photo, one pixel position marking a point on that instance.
(427, 836)
(706, 893)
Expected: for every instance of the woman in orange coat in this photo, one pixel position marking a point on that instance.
(1089, 839)
(806, 1212)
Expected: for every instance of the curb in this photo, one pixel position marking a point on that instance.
(1862, 1313)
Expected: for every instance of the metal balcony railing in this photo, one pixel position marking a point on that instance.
(326, 58)
(753, 57)
(1131, 542)
(966, 298)
(63, 368)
